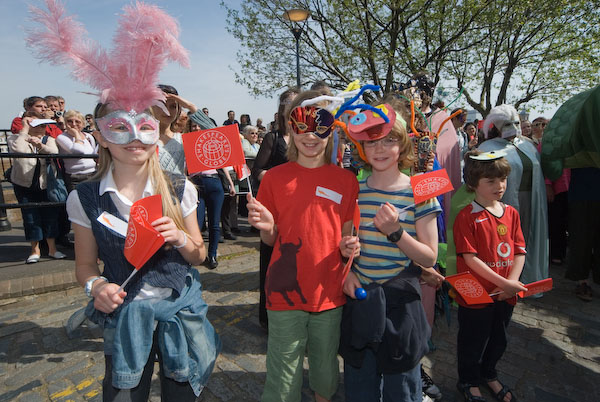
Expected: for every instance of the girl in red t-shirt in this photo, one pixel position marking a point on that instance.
(303, 207)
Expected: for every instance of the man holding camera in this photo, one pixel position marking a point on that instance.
(54, 111)
(39, 105)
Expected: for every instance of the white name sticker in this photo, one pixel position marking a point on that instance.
(113, 223)
(329, 194)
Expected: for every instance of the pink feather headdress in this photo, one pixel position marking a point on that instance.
(127, 77)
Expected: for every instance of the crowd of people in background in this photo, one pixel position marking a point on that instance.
(542, 207)
(69, 132)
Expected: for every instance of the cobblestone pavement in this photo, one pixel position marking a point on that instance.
(553, 353)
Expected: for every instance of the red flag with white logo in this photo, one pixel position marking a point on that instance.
(429, 185)
(214, 148)
(469, 288)
(142, 239)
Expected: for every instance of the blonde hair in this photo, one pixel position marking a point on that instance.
(161, 184)
(74, 113)
(292, 151)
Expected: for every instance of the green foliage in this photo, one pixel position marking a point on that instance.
(500, 50)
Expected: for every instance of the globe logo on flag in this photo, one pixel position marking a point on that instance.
(213, 149)
(131, 236)
(140, 214)
(430, 185)
(468, 287)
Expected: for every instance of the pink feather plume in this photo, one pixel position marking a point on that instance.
(127, 77)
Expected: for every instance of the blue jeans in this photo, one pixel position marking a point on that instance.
(364, 384)
(210, 197)
(39, 223)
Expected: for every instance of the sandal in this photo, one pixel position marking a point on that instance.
(465, 390)
(503, 391)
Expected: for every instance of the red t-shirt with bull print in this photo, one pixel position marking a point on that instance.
(309, 207)
(495, 241)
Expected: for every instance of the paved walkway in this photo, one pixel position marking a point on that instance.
(553, 353)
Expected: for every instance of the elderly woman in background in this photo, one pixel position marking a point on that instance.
(74, 141)
(250, 142)
(29, 180)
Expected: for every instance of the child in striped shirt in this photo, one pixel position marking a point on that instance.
(393, 233)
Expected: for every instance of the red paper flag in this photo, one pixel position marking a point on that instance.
(537, 287)
(242, 171)
(429, 185)
(469, 288)
(214, 148)
(142, 239)
(356, 217)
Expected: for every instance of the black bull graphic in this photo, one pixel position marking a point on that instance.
(283, 273)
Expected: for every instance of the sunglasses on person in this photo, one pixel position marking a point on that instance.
(540, 124)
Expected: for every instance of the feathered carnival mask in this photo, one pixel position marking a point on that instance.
(127, 76)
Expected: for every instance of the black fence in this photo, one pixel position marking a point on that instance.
(6, 161)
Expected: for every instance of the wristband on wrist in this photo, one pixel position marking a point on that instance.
(394, 237)
(184, 241)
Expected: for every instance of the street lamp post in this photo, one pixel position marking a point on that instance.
(523, 114)
(296, 16)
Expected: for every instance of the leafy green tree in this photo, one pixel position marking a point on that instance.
(376, 41)
(499, 51)
(531, 52)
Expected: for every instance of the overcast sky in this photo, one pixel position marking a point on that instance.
(209, 82)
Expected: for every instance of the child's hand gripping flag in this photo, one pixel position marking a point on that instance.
(356, 227)
(142, 239)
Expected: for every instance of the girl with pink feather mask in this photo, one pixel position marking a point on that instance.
(161, 310)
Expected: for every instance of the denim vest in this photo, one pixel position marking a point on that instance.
(165, 269)
(188, 343)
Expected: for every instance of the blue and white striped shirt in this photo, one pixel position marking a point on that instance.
(380, 259)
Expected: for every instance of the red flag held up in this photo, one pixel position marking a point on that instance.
(142, 239)
(429, 185)
(214, 148)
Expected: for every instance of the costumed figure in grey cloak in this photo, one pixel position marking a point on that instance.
(525, 188)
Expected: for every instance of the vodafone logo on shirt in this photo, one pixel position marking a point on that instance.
(504, 251)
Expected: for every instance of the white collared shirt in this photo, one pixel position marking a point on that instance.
(189, 201)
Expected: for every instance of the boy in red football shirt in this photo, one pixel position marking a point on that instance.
(489, 244)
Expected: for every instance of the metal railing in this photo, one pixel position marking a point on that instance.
(6, 156)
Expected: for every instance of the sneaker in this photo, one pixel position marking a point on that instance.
(429, 387)
(427, 398)
(584, 292)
